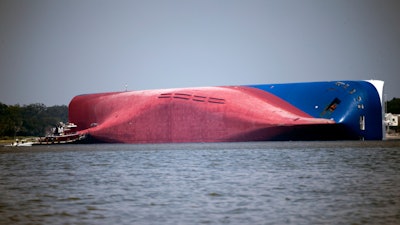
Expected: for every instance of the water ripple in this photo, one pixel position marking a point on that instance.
(222, 183)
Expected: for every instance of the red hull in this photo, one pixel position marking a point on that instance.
(212, 114)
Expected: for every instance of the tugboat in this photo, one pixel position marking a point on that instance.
(61, 134)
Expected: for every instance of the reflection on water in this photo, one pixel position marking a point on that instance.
(219, 183)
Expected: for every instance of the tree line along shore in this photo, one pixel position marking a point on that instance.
(33, 120)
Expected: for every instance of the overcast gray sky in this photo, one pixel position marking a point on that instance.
(51, 51)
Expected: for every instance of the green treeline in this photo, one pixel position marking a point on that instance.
(393, 106)
(30, 120)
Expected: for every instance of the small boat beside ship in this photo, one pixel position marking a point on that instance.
(61, 134)
(20, 143)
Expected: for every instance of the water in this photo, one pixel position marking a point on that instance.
(218, 183)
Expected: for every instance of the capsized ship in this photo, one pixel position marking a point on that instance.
(335, 110)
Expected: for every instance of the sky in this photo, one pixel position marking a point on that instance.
(51, 51)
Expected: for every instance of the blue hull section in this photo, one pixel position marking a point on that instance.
(355, 106)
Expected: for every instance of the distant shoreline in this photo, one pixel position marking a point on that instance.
(8, 140)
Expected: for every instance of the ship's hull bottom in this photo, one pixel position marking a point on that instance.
(349, 110)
